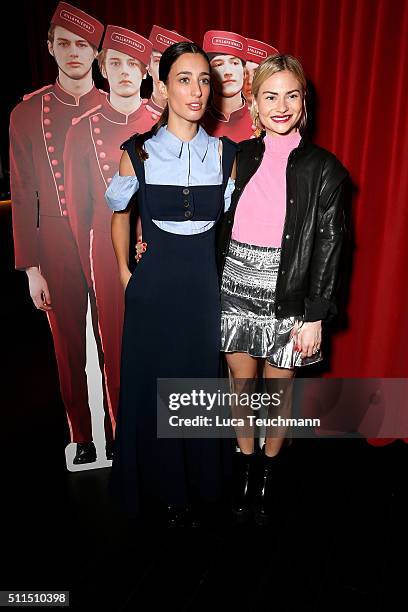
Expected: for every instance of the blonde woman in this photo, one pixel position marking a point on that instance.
(279, 256)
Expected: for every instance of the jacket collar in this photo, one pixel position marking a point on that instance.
(117, 117)
(151, 105)
(67, 98)
(235, 115)
(175, 146)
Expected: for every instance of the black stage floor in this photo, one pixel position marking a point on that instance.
(338, 541)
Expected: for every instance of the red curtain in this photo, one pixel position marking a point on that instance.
(354, 53)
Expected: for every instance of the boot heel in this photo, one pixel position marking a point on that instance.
(243, 487)
(268, 473)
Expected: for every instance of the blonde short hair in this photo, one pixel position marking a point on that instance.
(271, 65)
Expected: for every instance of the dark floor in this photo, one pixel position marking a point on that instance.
(337, 543)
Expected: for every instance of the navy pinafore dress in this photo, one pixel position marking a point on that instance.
(171, 330)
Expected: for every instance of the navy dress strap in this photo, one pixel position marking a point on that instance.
(138, 166)
(229, 151)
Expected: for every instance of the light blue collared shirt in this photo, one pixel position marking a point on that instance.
(173, 161)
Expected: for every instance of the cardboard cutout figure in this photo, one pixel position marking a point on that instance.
(160, 39)
(44, 244)
(257, 51)
(228, 114)
(91, 158)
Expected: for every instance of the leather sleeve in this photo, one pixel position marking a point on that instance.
(320, 304)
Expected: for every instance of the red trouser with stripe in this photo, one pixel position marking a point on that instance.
(60, 265)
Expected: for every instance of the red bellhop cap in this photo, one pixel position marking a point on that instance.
(126, 41)
(257, 51)
(76, 21)
(162, 38)
(229, 43)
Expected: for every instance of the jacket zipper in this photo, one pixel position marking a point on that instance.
(279, 275)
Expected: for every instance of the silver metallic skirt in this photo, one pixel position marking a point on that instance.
(248, 323)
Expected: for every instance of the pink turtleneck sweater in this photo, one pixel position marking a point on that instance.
(261, 210)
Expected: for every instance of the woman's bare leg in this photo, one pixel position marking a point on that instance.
(243, 370)
(273, 445)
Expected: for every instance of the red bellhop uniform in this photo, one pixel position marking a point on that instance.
(155, 110)
(43, 236)
(237, 127)
(92, 156)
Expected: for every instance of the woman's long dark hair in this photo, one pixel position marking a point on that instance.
(170, 55)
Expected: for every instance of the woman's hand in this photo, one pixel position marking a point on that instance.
(125, 275)
(308, 338)
(140, 248)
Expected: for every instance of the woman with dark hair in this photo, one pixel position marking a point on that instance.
(279, 257)
(172, 309)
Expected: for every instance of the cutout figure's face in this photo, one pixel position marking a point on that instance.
(74, 55)
(153, 66)
(227, 72)
(124, 73)
(250, 68)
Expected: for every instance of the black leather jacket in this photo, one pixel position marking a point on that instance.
(313, 232)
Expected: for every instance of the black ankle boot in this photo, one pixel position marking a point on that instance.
(267, 481)
(243, 487)
(176, 516)
(109, 446)
(85, 453)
